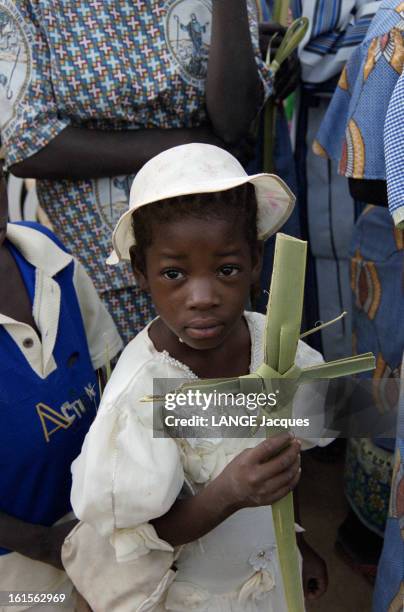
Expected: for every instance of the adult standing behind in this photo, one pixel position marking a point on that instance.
(362, 134)
(91, 91)
(327, 212)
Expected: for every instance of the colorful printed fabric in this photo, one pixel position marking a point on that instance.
(132, 309)
(353, 130)
(327, 210)
(113, 65)
(378, 307)
(389, 591)
(336, 27)
(367, 477)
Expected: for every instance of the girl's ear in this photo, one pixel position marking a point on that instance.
(257, 258)
(138, 268)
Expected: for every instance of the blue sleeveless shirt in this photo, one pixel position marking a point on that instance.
(43, 421)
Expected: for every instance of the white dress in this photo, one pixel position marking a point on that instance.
(124, 478)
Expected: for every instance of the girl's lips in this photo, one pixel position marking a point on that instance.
(200, 333)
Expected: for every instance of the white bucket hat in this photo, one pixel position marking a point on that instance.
(199, 168)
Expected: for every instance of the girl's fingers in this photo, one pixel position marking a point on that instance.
(284, 478)
(285, 489)
(280, 464)
(270, 448)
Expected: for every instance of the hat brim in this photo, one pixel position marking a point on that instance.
(274, 199)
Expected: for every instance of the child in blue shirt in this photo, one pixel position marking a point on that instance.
(54, 335)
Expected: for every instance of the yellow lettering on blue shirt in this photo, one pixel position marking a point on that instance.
(69, 412)
(46, 414)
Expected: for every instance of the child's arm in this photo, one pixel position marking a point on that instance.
(234, 91)
(78, 153)
(256, 477)
(35, 541)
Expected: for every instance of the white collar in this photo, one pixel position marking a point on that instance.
(38, 249)
(256, 327)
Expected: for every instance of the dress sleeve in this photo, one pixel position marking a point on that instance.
(109, 586)
(335, 29)
(29, 117)
(103, 339)
(124, 477)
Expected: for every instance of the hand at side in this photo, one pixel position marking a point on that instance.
(35, 541)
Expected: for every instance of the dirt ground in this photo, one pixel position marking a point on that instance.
(323, 508)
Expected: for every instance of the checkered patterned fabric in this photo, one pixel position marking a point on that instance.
(116, 65)
(131, 309)
(394, 152)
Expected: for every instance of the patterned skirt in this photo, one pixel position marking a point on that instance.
(377, 281)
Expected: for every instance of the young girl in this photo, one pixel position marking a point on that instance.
(192, 235)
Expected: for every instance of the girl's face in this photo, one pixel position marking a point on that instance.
(199, 275)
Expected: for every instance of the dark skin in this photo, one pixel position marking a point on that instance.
(14, 299)
(314, 571)
(35, 541)
(233, 98)
(209, 293)
(233, 88)
(78, 153)
(199, 275)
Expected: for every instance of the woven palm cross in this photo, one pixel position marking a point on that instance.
(282, 331)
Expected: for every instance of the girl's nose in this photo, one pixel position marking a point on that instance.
(202, 294)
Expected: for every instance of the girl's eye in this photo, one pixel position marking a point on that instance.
(229, 270)
(173, 274)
